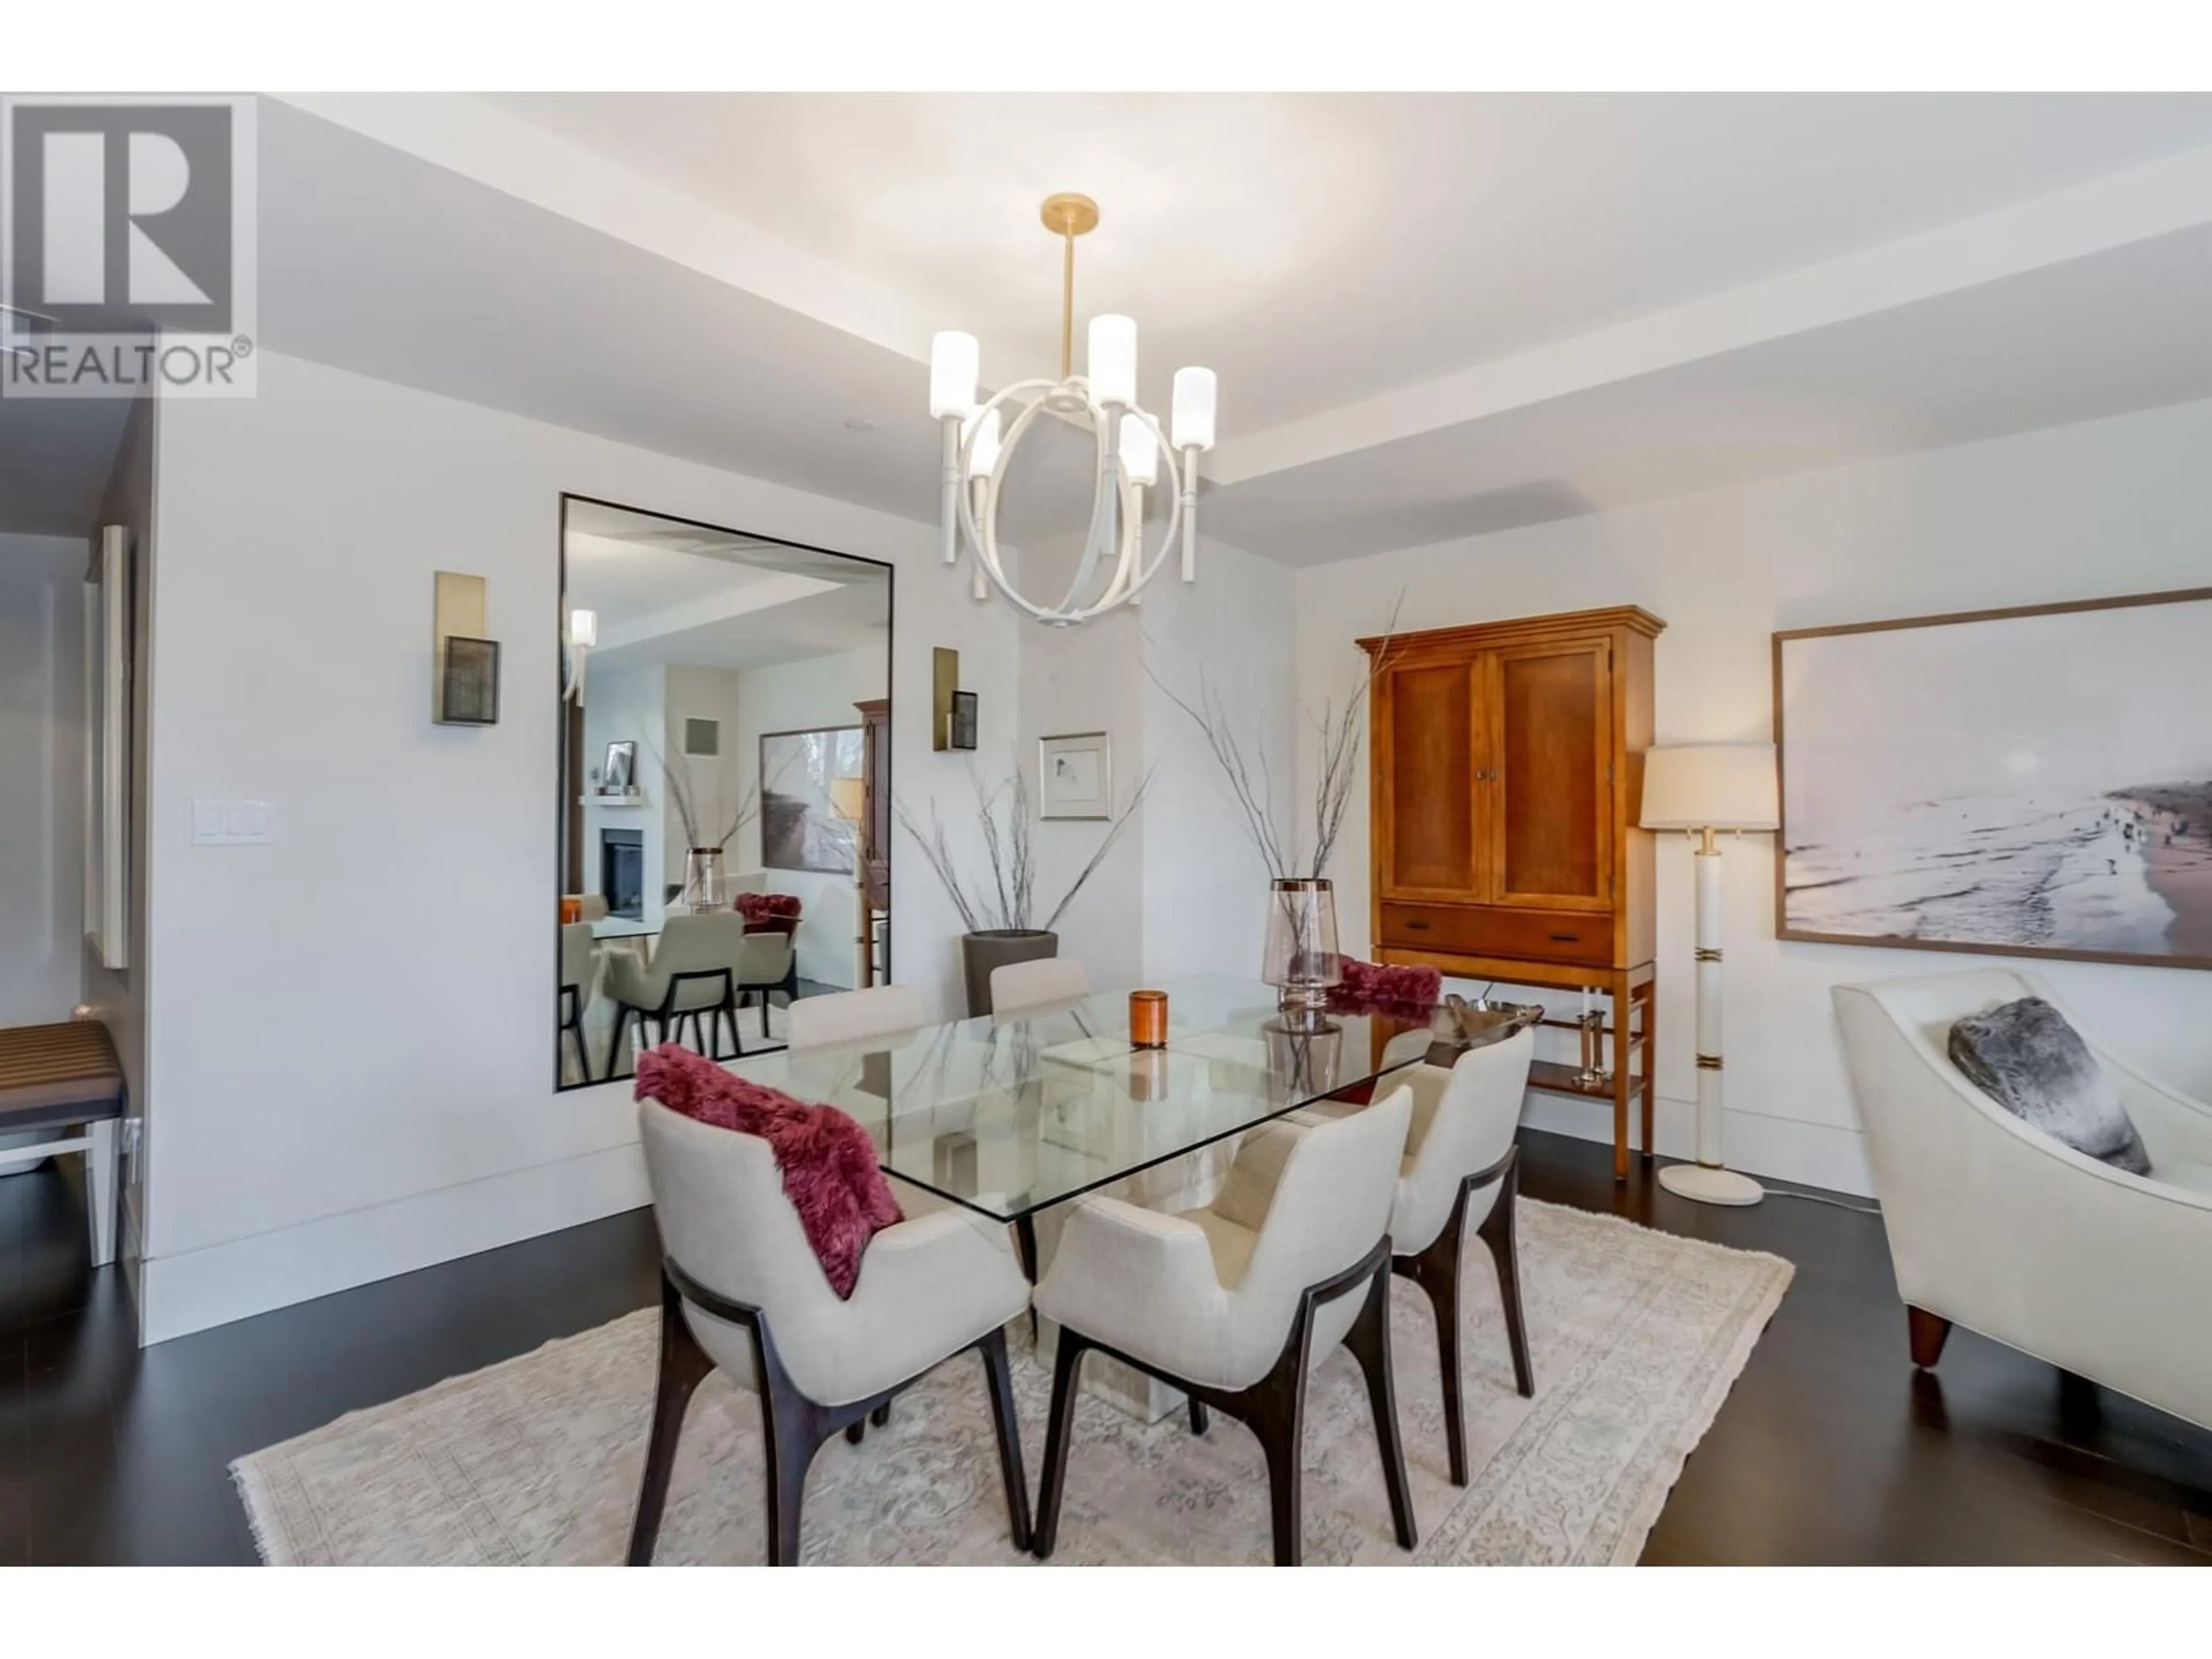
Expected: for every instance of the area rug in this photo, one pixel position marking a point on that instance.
(1637, 1337)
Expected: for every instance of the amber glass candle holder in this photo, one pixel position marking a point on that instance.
(1148, 1018)
(572, 910)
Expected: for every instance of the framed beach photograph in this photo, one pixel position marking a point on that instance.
(1075, 776)
(800, 826)
(2025, 783)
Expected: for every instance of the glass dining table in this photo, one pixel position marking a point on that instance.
(1010, 1115)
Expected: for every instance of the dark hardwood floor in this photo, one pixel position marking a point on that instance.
(1831, 1449)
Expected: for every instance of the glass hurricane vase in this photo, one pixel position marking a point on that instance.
(1302, 962)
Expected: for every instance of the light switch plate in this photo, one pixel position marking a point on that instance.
(231, 824)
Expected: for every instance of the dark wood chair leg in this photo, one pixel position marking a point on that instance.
(1928, 1333)
(1436, 1270)
(881, 1415)
(1199, 1420)
(1067, 1363)
(763, 997)
(684, 1366)
(856, 1432)
(1496, 1231)
(999, 1377)
(1282, 1436)
(1369, 1339)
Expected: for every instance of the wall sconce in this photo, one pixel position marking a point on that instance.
(583, 634)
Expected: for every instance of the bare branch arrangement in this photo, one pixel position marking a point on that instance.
(698, 816)
(1250, 776)
(1004, 896)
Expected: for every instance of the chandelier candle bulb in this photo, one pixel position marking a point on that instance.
(1112, 360)
(1192, 420)
(954, 364)
(1140, 450)
(983, 445)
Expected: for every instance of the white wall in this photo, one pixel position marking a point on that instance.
(625, 705)
(42, 749)
(715, 783)
(2112, 506)
(817, 693)
(351, 1029)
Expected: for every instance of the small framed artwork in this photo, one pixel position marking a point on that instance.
(619, 777)
(471, 684)
(1075, 776)
(964, 719)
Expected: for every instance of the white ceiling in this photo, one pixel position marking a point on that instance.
(1432, 315)
(1315, 249)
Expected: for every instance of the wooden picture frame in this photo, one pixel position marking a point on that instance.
(2043, 841)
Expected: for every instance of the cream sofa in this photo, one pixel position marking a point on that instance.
(1999, 1227)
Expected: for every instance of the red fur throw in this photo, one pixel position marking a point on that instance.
(767, 906)
(1370, 985)
(827, 1160)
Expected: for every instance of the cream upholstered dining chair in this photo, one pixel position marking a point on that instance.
(1020, 987)
(1995, 1225)
(1461, 1169)
(694, 974)
(743, 1290)
(853, 1016)
(1235, 1303)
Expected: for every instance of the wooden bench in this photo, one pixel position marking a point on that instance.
(67, 1077)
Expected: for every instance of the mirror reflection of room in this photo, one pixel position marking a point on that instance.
(726, 786)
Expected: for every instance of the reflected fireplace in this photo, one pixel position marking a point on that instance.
(622, 872)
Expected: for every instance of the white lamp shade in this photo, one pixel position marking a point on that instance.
(1710, 786)
(584, 628)
(955, 361)
(1113, 359)
(983, 451)
(1140, 450)
(1192, 426)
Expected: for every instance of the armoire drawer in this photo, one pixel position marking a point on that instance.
(1490, 931)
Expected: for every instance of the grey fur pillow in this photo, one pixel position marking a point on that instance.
(2027, 1058)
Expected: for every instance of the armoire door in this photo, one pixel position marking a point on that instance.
(1547, 799)
(1425, 764)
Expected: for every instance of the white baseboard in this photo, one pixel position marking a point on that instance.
(200, 1288)
(1784, 1149)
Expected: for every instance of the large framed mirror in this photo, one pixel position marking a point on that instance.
(724, 802)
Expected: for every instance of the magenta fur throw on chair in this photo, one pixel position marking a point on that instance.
(827, 1160)
(1373, 982)
(767, 906)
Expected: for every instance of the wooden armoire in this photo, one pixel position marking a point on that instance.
(1507, 763)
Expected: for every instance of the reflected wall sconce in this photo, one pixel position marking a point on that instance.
(583, 634)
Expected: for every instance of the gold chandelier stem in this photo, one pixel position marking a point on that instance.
(1067, 308)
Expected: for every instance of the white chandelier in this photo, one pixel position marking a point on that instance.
(1132, 449)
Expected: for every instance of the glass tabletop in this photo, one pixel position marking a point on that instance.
(1008, 1116)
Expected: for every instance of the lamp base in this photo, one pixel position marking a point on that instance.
(1710, 1184)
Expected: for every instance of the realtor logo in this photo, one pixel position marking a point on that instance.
(127, 245)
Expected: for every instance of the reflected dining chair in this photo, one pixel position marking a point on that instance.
(1460, 1170)
(771, 962)
(742, 1289)
(1235, 1303)
(694, 973)
(1020, 987)
(579, 961)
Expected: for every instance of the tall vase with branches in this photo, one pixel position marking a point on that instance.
(997, 900)
(710, 823)
(1300, 958)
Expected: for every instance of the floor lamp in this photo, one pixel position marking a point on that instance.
(1702, 788)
